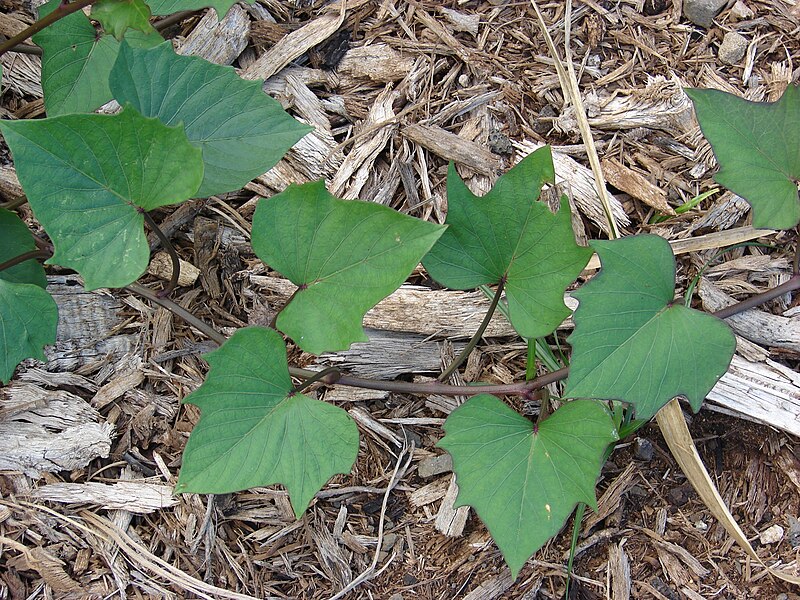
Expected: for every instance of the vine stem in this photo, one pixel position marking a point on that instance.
(478, 334)
(61, 11)
(408, 387)
(31, 254)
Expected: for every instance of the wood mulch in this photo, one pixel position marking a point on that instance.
(91, 441)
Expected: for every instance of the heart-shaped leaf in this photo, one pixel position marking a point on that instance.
(102, 172)
(77, 60)
(242, 132)
(17, 240)
(632, 343)
(346, 256)
(508, 235)
(116, 16)
(28, 319)
(757, 145)
(167, 7)
(522, 479)
(254, 430)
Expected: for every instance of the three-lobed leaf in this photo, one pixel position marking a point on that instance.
(346, 256)
(254, 430)
(242, 132)
(757, 145)
(632, 343)
(508, 235)
(88, 177)
(117, 16)
(524, 480)
(77, 60)
(17, 240)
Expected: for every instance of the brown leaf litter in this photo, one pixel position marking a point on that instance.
(395, 90)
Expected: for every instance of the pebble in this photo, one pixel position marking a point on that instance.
(794, 532)
(733, 48)
(702, 12)
(771, 535)
(643, 449)
(435, 465)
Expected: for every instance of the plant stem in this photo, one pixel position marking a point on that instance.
(784, 288)
(436, 387)
(478, 334)
(178, 310)
(177, 17)
(61, 11)
(15, 203)
(30, 254)
(173, 255)
(324, 375)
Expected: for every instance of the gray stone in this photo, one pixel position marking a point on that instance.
(435, 465)
(702, 12)
(732, 49)
(771, 535)
(643, 449)
(794, 532)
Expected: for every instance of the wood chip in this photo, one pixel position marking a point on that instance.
(450, 520)
(161, 266)
(133, 496)
(452, 147)
(219, 42)
(756, 325)
(635, 184)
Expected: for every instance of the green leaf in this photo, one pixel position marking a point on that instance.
(255, 431)
(243, 132)
(508, 234)
(757, 145)
(632, 343)
(522, 479)
(116, 16)
(77, 60)
(28, 319)
(346, 256)
(167, 7)
(87, 177)
(17, 240)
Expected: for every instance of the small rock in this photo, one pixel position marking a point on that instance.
(435, 465)
(643, 449)
(500, 144)
(397, 596)
(389, 541)
(409, 579)
(701, 525)
(740, 11)
(794, 532)
(702, 12)
(771, 535)
(732, 49)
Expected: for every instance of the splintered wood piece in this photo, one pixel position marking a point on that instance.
(444, 313)
(219, 42)
(755, 325)
(133, 496)
(450, 520)
(161, 267)
(452, 147)
(10, 188)
(371, 138)
(635, 184)
(764, 392)
(300, 41)
(55, 431)
(376, 62)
